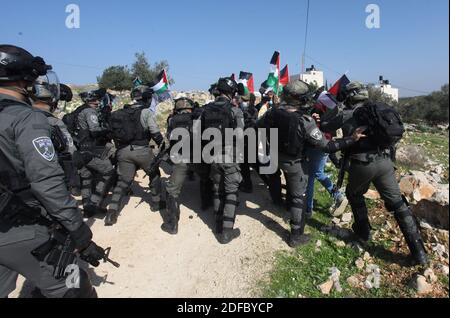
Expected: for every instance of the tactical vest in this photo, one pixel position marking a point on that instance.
(218, 115)
(58, 138)
(182, 120)
(290, 140)
(72, 121)
(127, 128)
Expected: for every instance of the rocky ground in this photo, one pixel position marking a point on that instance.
(335, 265)
(191, 264)
(259, 263)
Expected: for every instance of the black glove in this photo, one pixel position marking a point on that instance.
(158, 138)
(80, 159)
(93, 254)
(81, 237)
(100, 134)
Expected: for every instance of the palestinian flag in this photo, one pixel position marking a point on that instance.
(284, 78)
(327, 100)
(339, 86)
(247, 80)
(162, 84)
(273, 80)
(161, 91)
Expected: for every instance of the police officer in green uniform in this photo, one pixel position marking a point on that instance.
(225, 170)
(45, 96)
(132, 128)
(91, 138)
(372, 163)
(250, 112)
(30, 174)
(296, 131)
(180, 130)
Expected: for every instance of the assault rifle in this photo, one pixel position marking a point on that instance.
(59, 250)
(160, 157)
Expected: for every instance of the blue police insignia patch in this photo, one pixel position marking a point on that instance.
(44, 147)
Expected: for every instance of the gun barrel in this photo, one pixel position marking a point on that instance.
(115, 264)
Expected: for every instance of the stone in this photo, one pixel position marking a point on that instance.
(346, 217)
(434, 210)
(374, 277)
(336, 221)
(340, 243)
(335, 275)
(318, 243)
(359, 263)
(420, 284)
(440, 250)
(416, 186)
(366, 256)
(353, 281)
(430, 276)
(444, 269)
(411, 155)
(372, 195)
(326, 287)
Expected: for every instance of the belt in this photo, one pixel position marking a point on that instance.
(371, 156)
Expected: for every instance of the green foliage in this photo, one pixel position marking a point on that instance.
(432, 109)
(115, 77)
(121, 77)
(147, 73)
(299, 272)
(376, 95)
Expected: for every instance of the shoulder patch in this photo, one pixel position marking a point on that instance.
(94, 118)
(44, 147)
(316, 134)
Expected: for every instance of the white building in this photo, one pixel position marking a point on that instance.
(387, 89)
(313, 76)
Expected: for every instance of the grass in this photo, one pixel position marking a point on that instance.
(297, 273)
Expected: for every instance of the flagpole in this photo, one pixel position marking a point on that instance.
(306, 38)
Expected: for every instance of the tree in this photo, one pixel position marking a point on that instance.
(147, 73)
(432, 109)
(376, 95)
(116, 77)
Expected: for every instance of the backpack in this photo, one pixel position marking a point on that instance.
(290, 141)
(385, 127)
(126, 126)
(71, 120)
(218, 115)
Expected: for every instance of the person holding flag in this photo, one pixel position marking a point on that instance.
(161, 91)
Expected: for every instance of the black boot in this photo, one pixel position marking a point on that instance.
(171, 226)
(297, 236)
(90, 210)
(111, 218)
(157, 206)
(219, 222)
(361, 227)
(206, 195)
(228, 235)
(408, 226)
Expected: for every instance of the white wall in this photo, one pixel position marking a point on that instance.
(313, 77)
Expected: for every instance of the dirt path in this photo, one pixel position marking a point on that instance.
(193, 263)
